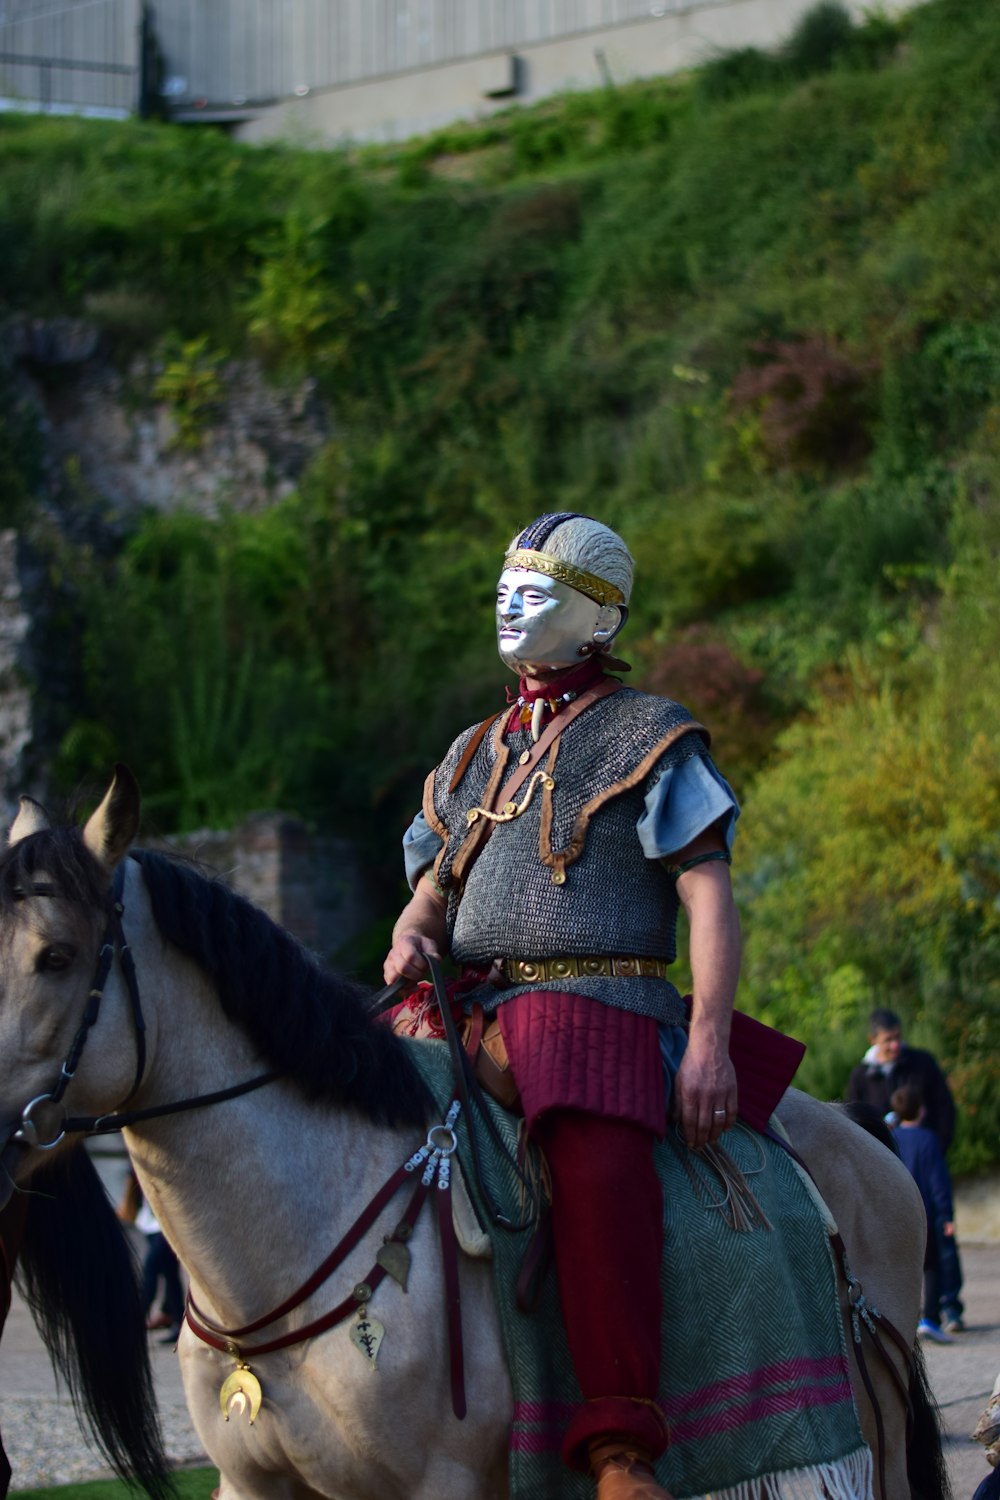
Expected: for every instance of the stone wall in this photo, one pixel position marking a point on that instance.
(107, 428)
(313, 885)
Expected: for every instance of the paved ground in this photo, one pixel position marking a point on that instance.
(962, 1374)
(45, 1446)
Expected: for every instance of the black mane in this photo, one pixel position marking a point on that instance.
(311, 1025)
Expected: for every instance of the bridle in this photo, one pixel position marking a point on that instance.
(114, 945)
(431, 1161)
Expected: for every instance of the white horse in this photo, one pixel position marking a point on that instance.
(254, 1191)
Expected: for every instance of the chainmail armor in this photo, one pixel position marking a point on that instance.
(614, 900)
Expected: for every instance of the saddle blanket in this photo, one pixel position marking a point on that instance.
(755, 1379)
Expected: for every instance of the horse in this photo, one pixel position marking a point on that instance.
(262, 1107)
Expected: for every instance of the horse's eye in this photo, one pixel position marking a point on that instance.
(53, 960)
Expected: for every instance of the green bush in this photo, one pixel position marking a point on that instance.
(750, 316)
(822, 36)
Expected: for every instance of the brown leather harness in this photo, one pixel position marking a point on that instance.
(431, 1160)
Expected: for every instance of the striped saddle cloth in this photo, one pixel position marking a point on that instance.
(755, 1379)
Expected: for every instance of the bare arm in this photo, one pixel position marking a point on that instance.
(421, 929)
(706, 1081)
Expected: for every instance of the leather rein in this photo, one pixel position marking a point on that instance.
(114, 945)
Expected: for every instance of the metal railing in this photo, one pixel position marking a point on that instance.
(42, 96)
(63, 56)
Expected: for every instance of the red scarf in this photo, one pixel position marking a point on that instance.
(563, 687)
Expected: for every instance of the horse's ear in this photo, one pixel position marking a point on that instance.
(31, 818)
(109, 832)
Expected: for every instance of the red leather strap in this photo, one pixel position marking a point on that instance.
(218, 1338)
(337, 1255)
(226, 1339)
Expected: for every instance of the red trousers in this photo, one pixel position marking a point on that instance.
(591, 1082)
(607, 1230)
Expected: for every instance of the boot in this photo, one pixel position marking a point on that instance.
(624, 1471)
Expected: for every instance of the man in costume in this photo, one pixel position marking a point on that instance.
(555, 846)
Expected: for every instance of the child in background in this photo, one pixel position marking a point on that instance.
(922, 1155)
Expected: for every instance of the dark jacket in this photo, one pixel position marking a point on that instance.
(870, 1084)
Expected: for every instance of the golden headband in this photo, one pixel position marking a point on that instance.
(595, 588)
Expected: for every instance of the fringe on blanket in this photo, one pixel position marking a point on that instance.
(849, 1478)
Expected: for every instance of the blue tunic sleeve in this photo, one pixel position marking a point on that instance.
(420, 849)
(686, 800)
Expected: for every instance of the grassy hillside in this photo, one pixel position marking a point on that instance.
(751, 317)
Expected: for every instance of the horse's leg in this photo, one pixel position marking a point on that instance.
(881, 1219)
(11, 1229)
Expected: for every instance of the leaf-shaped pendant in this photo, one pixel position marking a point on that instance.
(395, 1258)
(367, 1335)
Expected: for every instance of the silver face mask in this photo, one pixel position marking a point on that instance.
(542, 623)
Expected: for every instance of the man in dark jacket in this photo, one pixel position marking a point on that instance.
(889, 1064)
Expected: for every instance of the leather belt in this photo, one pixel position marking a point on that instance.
(532, 970)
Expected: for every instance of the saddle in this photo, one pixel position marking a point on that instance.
(418, 1016)
(736, 1405)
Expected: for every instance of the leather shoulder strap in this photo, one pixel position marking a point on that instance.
(553, 730)
(473, 746)
(481, 830)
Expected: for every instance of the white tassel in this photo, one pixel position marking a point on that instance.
(849, 1478)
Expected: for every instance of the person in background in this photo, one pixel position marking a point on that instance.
(888, 1064)
(922, 1155)
(159, 1262)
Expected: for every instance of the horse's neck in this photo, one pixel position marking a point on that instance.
(253, 1192)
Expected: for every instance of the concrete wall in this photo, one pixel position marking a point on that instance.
(977, 1210)
(405, 104)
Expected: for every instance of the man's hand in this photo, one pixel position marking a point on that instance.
(421, 931)
(704, 1092)
(407, 958)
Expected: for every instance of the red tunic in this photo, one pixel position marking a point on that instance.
(570, 1052)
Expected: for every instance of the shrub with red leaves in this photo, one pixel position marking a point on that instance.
(811, 400)
(728, 697)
